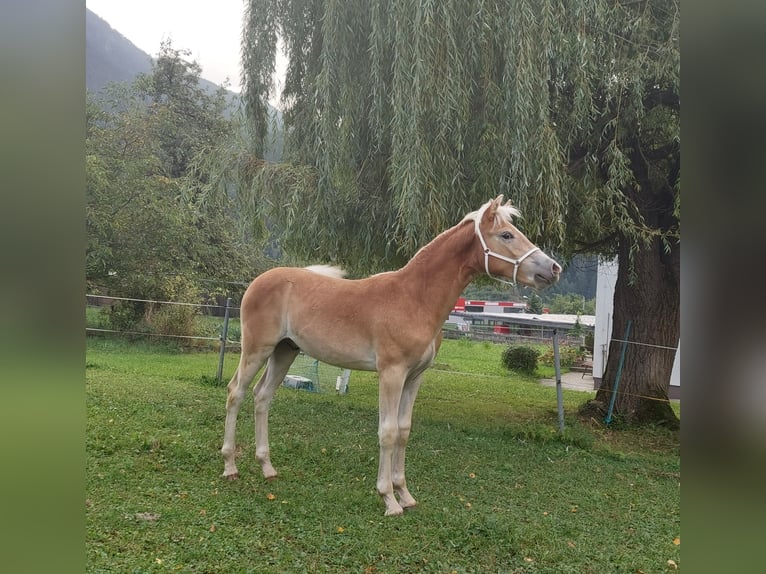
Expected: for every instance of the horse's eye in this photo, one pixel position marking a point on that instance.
(506, 235)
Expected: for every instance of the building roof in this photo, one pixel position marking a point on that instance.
(552, 320)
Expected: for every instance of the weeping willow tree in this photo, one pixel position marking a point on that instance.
(400, 116)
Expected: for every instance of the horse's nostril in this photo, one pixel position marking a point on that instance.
(556, 268)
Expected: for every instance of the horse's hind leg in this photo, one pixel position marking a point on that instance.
(278, 365)
(236, 390)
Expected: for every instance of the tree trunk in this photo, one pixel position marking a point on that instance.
(652, 302)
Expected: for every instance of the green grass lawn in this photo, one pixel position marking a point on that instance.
(498, 489)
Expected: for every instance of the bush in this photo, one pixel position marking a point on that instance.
(234, 333)
(589, 336)
(178, 320)
(521, 358)
(568, 356)
(125, 315)
(169, 319)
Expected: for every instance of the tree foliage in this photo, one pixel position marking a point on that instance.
(535, 304)
(572, 304)
(152, 232)
(401, 116)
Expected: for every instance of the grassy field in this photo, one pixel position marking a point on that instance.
(498, 489)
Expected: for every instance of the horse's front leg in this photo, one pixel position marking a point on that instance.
(389, 397)
(409, 393)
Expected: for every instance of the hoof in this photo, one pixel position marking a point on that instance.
(231, 477)
(271, 478)
(267, 470)
(406, 500)
(394, 510)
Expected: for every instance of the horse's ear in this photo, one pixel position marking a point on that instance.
(490, 214)
(497, 202)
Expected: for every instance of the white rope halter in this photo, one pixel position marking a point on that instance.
(487, 252)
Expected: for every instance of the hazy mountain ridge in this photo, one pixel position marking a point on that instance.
(111, 57)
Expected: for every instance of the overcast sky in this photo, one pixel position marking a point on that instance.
(212, 30)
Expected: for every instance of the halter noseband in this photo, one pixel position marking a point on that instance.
(487, 252)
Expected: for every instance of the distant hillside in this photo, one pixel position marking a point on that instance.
(111, 57)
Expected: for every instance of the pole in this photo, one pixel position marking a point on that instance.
(224, 335)
(559, 392)
(608, 418)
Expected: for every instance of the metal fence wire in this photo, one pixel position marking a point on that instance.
(306, 372)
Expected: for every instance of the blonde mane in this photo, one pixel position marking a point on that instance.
(505, 213)
(327, 270)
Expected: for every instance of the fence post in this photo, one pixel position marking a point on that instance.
(624, 348)
(557, 366)
(224, 335)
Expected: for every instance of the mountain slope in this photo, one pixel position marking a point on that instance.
(110, 56)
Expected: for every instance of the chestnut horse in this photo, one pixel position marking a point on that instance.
(390, 323)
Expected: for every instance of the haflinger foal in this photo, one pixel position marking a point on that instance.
(390, 323)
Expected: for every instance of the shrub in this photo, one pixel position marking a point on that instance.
(568, 356)
(234, 333)
(125, 315)
(175, 320)
(577, 329)
(589, 336)
(521, 358)
(178, 320)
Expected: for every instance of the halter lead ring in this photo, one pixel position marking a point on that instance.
(487, 252)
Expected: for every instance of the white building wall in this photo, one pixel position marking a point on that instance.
(605, 282)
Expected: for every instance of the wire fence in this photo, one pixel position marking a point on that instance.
(645, 344)
(306, 373)
(308, 368)
(202, 326)
(210, 329)
(153, 301)
(146, 334)
(487, 333)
